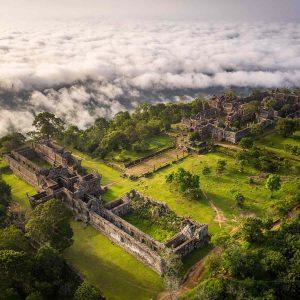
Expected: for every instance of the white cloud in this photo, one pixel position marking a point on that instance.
(82, 69)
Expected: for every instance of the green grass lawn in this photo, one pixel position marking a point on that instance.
(218, 189)
(154, 230)
(41, 162)
(19, 187)
(118, 274)
(276, 142)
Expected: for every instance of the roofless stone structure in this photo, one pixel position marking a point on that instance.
(55, 173)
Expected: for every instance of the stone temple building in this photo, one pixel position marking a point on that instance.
(55, 173)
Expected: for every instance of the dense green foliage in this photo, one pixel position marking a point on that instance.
(35, 273)
(221, 166)
(206, 170)
(47, 126)
(185, 182)
(49, 223)
(124, 131)
(293, 149)
(287, 127)
(40, 274)
(273, 183)
(87, 292)
(266, 267)
(246, 143)
(239, 198)
(11, 141)
(261, 159)
(5, 197)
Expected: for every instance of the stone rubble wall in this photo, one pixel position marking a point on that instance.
(22, 171)
(128, 242)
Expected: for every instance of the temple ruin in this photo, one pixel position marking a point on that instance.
(55, 173)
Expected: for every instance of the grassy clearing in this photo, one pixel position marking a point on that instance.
(276, 142)
(118, 274)
(19, 187)
(41, 162)
(218, 188)
(154, 230)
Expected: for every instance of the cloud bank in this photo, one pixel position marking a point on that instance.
(83, 69)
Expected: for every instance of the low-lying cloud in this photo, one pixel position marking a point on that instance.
(84, 69)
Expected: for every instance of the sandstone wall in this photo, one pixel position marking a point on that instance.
(22, 171)
(129, 243)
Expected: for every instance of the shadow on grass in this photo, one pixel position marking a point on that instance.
(110, 268)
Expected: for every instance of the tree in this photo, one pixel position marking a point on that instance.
(246, 142)
(48, 265)
(221, 165)
(115, 140)
(48, 125)
(15, 268)
(12, 238)
(87, 292)
(49, 223)
(5, 198)
(206, 170)
(252, 230)
(239, 198)
(273, 262)
(209, 289)
(11, 141)
(287, 127)
(273, 183)
(187, 182)
(222, 240)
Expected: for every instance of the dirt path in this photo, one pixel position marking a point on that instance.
(82, 158)
(229, 146)
(220, 218)
(191, 279)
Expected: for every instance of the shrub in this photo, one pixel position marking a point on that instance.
(206, 170)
